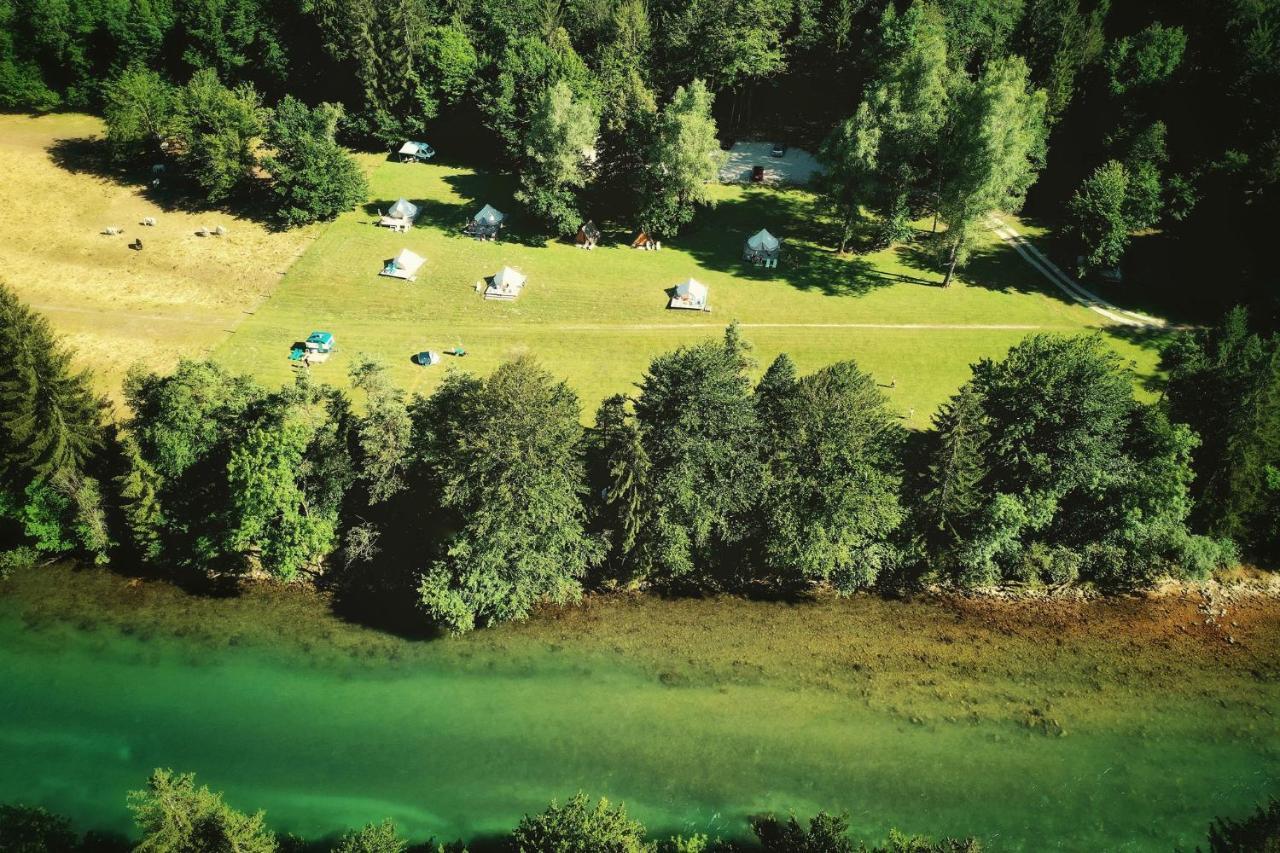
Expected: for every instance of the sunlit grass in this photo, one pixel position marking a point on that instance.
(597, 318)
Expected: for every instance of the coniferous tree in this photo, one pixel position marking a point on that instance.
(772, 395)
(621, 481)
(143, 513)
(1225, 382)
(384, 431)
(51, 437)
(957, 465)
(50, 419)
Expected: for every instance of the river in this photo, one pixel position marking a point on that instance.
(1056, 729)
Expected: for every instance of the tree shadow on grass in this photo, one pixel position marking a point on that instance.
(92, 156)
(1152, 339)
(807, 262)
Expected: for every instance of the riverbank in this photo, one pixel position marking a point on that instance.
(1073, 647)
(1120, 723)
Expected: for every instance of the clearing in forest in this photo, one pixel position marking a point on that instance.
(597, 317)
(593, 317)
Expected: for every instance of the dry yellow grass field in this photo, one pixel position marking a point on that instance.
(179, 295)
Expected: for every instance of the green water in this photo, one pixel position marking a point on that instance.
(458, 740)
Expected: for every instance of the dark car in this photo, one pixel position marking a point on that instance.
(757, 174)
(779, 150)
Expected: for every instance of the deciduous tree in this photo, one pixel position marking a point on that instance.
(700, 432)
(831, 506)
(580, 826)
(992, 150)
(219, 130)
(559, 146)
(507, 454)
(313, 178)
(175, 816)
(685, 158)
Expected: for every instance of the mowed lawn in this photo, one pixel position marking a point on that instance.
(596, 318)
(179, 296)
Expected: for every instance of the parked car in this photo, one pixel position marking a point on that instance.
(779, 150)
(757, 174)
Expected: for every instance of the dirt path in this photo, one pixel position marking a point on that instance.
(1068, 285)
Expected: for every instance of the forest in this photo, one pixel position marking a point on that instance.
(1155, 122)
(476, 503)
(174, 814)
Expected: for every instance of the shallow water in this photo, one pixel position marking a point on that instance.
(458, 738)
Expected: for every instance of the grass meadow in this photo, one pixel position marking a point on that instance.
(595, 318)
(179, 296)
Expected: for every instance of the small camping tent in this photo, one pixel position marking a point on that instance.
(762, 248)
(320, 342)
(691, 294)
(315, 349)
(505, 284)
(416, 152)
(486, 223)
(400, 215)
(644, 241)
(404, 265)
(588, 235)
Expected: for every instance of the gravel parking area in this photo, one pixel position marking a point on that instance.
(795, 168)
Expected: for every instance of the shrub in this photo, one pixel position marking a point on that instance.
(17, 560)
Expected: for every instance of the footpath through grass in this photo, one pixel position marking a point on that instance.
(597, 317)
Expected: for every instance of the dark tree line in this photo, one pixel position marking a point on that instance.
(486, 498)
(1133, 115)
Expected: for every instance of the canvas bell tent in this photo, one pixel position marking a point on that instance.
(588, 235)
(691, 295)
(404, 265)
(400, 215)
(506, 284)
(644, 241)
(486, 224)
(762, 248)
(416, 152)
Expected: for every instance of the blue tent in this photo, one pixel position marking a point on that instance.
(321, 341)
